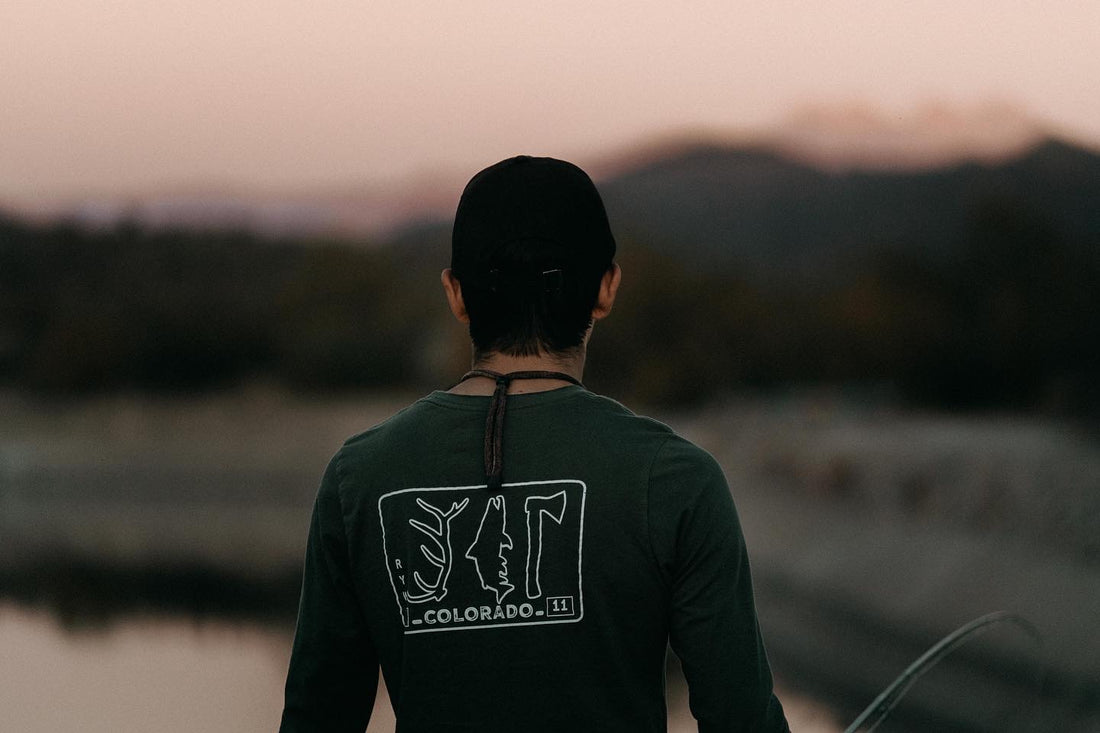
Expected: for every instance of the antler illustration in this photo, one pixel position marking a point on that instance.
(442, 557)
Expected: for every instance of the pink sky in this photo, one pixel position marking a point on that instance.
(127, 96)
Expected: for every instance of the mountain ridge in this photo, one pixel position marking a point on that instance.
(756, 208)
(832, 138)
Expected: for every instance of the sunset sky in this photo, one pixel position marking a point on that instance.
(106, 97)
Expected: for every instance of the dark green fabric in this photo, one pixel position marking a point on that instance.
(547, 606)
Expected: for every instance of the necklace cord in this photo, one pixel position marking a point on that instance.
(494, 421)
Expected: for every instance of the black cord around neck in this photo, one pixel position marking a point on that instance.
(494, 423)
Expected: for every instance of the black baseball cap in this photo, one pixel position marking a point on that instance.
(546, 204)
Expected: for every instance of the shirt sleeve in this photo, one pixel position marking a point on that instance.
(713, 626)
(333, 674)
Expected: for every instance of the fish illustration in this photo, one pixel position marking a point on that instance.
(487, 550)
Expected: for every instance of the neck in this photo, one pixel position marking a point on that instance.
(503, 364)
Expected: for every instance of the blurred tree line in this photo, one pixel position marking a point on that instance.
(1007, 320)
(129, 308)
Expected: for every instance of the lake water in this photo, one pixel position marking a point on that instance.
(873, 533)
(164, 676)
(143, 675)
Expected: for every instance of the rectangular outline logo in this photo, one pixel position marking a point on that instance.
(543, 617)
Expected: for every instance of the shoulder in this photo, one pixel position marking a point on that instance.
(362, 447)
(622, 419)
(668, 452)
(684, 473)
(408, 418)
(678, 454)
(676, 465)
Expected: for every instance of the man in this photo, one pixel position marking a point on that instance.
(517, 552)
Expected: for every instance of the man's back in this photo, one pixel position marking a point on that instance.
(544, 606)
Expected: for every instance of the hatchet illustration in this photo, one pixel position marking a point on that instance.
(537, 507)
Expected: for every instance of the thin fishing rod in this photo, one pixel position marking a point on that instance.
(877, 711)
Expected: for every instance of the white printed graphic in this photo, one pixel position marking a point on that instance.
(441, 558)
(537, 507)
(463, 557)
(487, 551)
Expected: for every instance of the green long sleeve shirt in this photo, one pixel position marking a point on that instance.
(546, 606)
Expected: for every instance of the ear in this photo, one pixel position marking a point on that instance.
(609, 287)
(453, 288)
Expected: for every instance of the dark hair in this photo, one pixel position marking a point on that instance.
(530, 303)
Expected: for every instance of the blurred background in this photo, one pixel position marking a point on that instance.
(861, 254)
